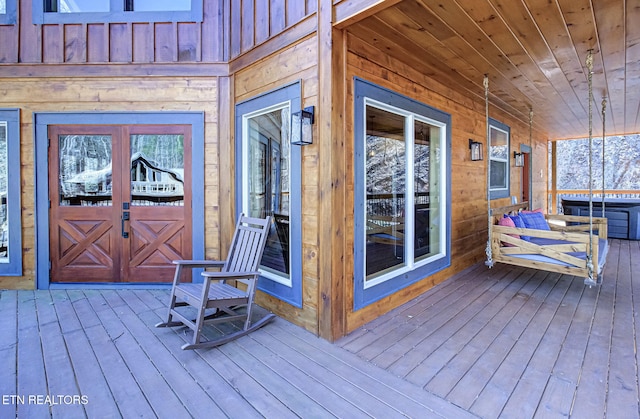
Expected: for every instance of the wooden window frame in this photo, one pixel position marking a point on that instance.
(10, 14)
(497, 193)
(364, 294)
(116, 14)
(14, 216)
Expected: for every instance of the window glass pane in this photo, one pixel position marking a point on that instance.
(85, 170)
(157, 170)
(269, 186)
(427, 185)
(3, 6)
(498, 174)
(76, 6)
(4, 220)
(499, 144)
(385, 186)
(161, 5)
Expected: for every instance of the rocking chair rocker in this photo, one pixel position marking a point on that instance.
(214, 299)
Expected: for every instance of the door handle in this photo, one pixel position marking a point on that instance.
(125, 218)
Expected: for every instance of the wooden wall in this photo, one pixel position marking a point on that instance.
(469, 204)
(114, 42)
(255, 21)
(98, 94)
(297, 62)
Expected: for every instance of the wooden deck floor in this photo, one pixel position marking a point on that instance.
(519, 343)
(505, 342)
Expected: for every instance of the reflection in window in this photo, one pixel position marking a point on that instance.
(268, 184)
(160, 5)
(85, 170)
(499, 159)
(157, 170)
(93, 6)
(10, 207)
(402, 167)
(4, 220)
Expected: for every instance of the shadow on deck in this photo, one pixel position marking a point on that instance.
(506, 342)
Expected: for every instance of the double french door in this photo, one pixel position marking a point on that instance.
(120, 202)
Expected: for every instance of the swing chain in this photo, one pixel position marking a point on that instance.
(589, 64)
(489, 261)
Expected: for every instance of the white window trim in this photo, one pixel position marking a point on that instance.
(409, 256)
(245, 180)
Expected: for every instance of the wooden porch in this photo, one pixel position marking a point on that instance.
(506, 342)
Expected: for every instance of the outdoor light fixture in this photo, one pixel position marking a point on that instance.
(302, 126)
(476, 150)
(519, 158)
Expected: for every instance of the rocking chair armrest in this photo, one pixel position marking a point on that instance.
(229, 275)
(200, 263)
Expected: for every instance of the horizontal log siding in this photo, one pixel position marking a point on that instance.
(468, 189)
(108, 95)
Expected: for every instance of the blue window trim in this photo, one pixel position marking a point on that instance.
(42, 122)
(365, 296)
(501, 193)
(10, 15)
(116, 15)
(14, 216)
(291, 93)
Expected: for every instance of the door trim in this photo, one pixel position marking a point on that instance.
(41, 124)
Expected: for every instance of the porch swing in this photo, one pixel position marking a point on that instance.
(555, 243)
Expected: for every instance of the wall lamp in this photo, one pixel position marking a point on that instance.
(302, 126)
(519, 159)
(476, 150)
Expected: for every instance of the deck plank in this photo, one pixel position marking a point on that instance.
(507, 342)
(8, 352)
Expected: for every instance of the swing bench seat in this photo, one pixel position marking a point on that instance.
(564, 248)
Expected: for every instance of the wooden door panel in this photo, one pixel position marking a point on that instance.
(84, 251)
(154, 243)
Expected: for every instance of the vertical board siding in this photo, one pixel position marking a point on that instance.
(115, 42)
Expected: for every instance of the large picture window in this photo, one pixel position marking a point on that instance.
(10, 217)
(402, 216)
(268, 183)
(85, 11)
(499, 137)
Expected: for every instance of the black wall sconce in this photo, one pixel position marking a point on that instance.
(476, 150)
(519, 159)
(302, 126)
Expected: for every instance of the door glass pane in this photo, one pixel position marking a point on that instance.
(85, 170)
(157, 170)
(4, 220)
(427, 161)
(385, 186)
(268, 183)
(76, 6)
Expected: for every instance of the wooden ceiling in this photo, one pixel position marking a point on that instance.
(534, 52)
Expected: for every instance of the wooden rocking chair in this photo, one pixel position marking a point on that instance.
(214, 299)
